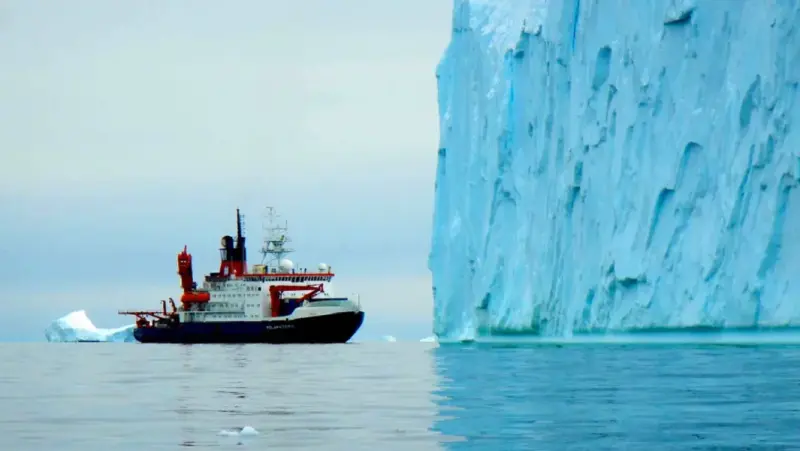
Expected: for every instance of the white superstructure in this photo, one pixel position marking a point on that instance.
(274, 290)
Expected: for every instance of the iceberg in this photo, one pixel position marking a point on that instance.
(615, 165)
(76, 326)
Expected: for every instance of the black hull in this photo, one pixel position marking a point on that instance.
(332, 328)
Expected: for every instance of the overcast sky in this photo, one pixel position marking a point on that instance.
(128, 129)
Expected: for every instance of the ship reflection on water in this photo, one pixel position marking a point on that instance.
(351, 396)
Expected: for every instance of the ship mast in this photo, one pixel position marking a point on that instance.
(275, 239)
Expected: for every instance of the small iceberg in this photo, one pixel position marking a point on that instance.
(77, 327)
(237, 432)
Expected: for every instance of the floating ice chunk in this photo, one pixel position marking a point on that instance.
(76, 327)
(237, 432)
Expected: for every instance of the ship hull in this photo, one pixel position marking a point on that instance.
(331, 328)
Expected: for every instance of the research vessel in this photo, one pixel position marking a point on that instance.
(272, 302)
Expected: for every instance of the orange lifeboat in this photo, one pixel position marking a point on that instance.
(191, 297)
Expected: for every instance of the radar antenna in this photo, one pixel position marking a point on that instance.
(275, 238)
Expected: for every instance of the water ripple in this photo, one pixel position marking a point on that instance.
(400, 396)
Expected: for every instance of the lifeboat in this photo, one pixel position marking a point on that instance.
(194, 297)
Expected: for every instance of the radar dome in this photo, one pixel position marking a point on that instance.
(323, 267)
(286, 264)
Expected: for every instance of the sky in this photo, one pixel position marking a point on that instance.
(131, 129)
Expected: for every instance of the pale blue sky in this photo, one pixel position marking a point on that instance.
(128, 129)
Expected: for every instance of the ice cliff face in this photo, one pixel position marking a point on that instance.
(614, 164)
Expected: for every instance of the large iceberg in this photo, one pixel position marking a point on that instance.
(617, 164)
(76, 326)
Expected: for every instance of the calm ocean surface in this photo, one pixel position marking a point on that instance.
(399, 396)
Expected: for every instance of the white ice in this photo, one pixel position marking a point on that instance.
(617, 164)
(76, 326)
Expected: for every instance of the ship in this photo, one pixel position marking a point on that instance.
(270, 303)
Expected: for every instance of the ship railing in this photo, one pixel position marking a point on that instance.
(354, 298)
(144, 314)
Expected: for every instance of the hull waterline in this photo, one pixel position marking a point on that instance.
(331, 328)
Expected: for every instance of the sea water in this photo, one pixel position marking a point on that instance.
(401, 396)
